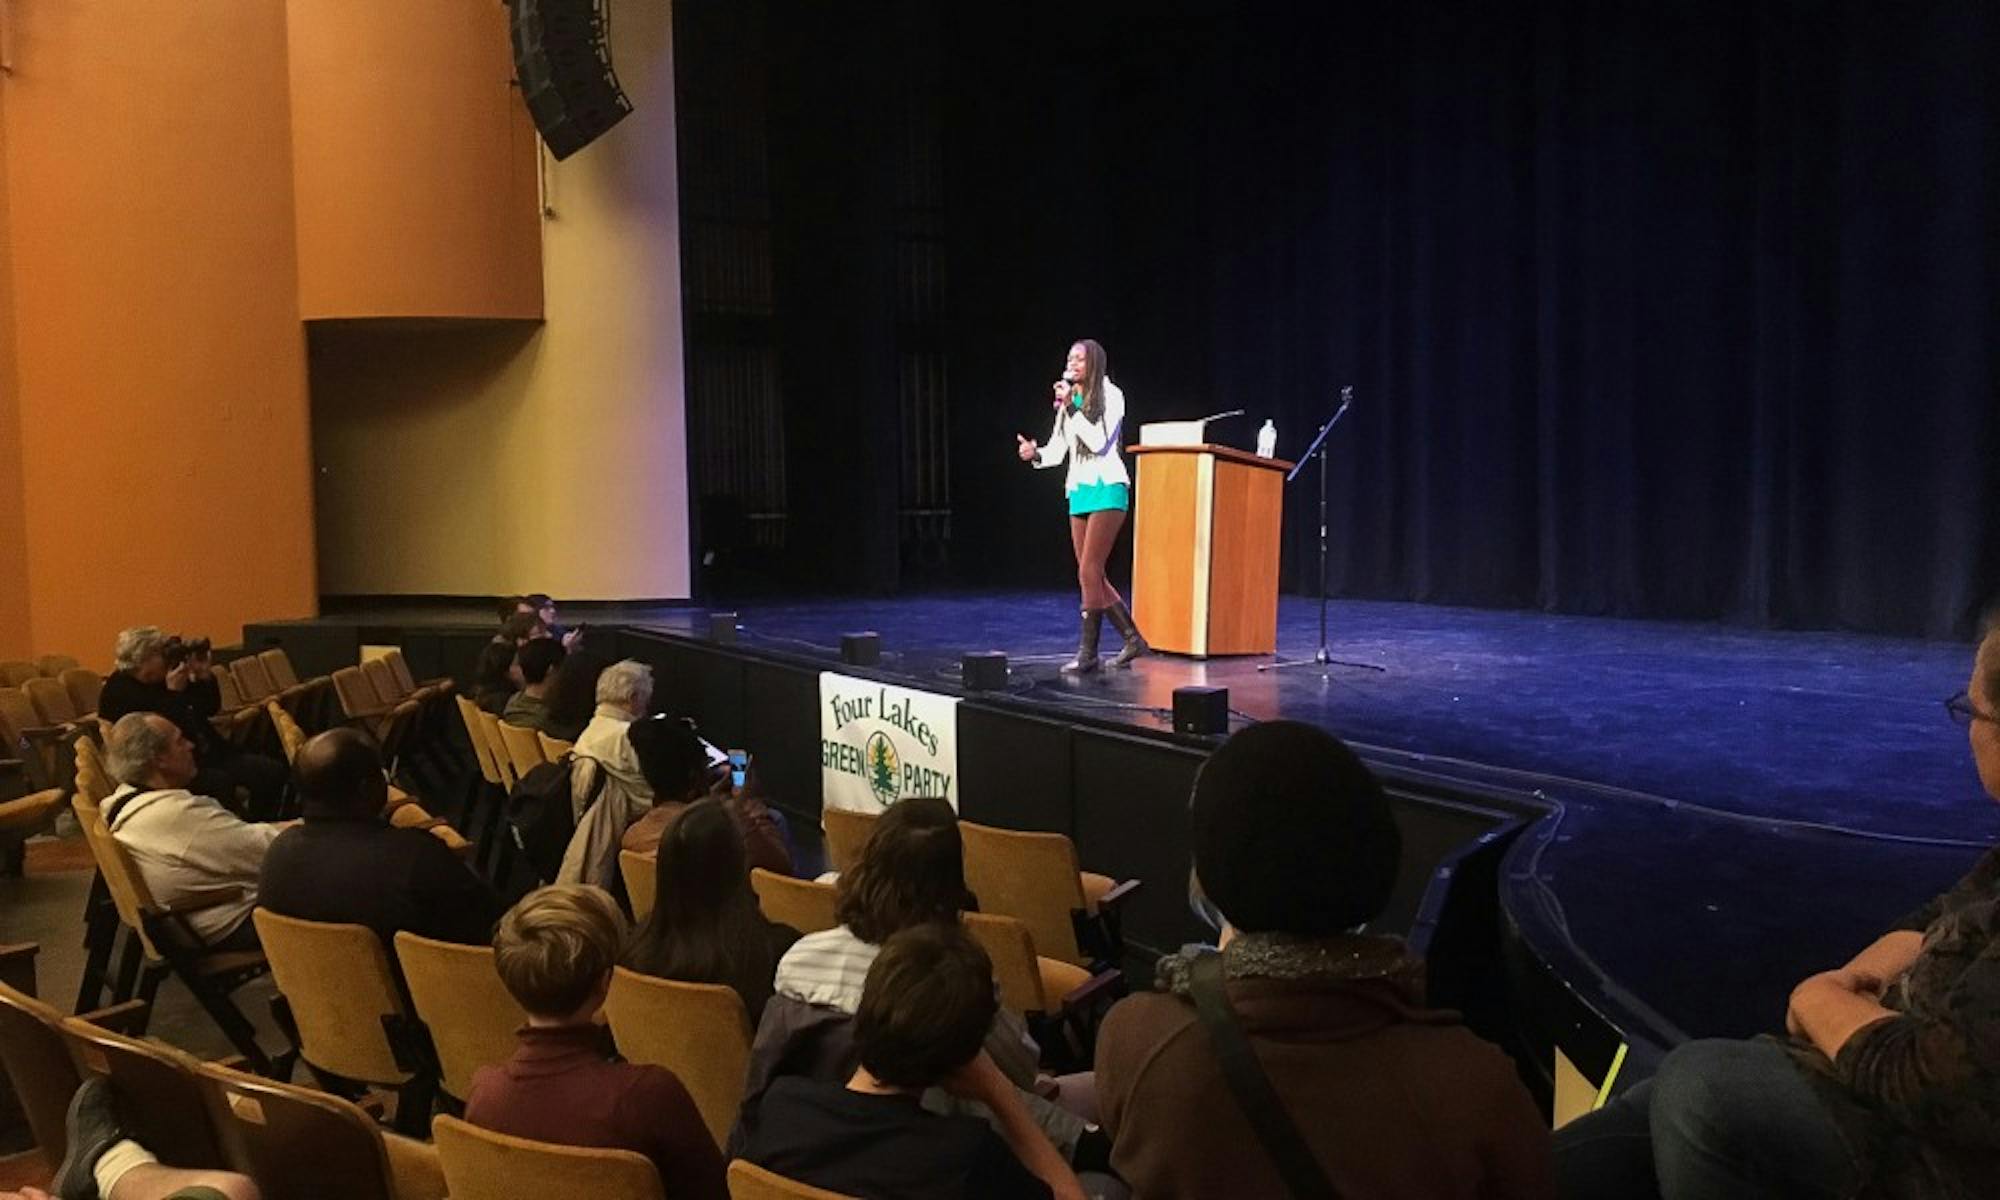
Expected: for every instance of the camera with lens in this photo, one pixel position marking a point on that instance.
(179, 650)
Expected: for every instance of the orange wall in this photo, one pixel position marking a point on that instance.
(159, 351)
(15, 638)
(483, 459)
(414, 161)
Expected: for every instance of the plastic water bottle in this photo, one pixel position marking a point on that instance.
(1267, 440)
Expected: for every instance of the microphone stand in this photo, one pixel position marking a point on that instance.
(1321, 658)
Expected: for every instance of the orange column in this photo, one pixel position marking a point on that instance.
(414, 161)
(159, 356)
(16, 635)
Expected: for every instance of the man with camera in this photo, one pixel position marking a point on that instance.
(156, 673)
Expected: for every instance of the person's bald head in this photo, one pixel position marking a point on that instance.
(340, 775)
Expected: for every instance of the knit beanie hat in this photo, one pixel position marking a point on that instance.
(1292, 834)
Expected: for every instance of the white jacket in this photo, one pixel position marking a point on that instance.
(184, 844)
(1090, 446)
(605, 745)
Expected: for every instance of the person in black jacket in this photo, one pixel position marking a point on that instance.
(186, 694)
(345, 864)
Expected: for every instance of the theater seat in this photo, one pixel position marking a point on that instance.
(38, 1062)
(523, 746)
(84, 687)
(846, 832)
(1034, 876)
(641, 873)
(804, 904)
(1063, 1003)
(460, 999)
(699, 1031)
(482, 1165)
(349, 1014)
(297, 1141)
(748, 1181)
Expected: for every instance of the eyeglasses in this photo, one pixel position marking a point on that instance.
(1964, 712)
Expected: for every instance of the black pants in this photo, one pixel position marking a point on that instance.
(265, 778)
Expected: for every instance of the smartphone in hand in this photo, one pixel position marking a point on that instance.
(739, 768)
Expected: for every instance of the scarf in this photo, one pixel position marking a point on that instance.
(1343, 958)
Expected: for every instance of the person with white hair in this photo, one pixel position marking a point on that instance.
(184, 844)
(607, 766)
(156, 673)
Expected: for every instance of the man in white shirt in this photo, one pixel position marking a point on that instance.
(187, 847)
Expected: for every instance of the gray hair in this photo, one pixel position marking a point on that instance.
(136, 645)
(135, 743)
(628, 684)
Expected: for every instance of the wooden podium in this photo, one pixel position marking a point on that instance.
(1205, 549)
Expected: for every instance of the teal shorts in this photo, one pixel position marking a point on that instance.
(1099, 497)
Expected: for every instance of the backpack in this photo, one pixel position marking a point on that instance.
(542, 814)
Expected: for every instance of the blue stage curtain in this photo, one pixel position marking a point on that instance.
(1664, 310)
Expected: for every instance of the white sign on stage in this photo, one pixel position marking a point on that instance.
(879, 743)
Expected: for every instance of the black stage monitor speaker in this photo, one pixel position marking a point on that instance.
(563, 66)
(1202, 710)
(722, 628)
(983, 671)
(861, 649)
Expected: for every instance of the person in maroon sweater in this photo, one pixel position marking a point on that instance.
(554, 951)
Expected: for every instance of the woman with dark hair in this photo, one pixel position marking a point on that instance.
(705, 926)
(1090, 417)
(573, 699)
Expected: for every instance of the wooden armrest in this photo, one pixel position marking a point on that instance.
(1116, 896)
(204, 899)
(44, 734)
(1105, 985)
(128, 1018)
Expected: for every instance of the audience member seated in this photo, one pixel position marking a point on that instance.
(675, 762)
(705, 926)
(572, 698)
(607, 763)
(542, 606)
(183, 844)
(188, 695)
(921, 1023)
(344, 863)
(1294, 843)
(1887, 1083)
(104, 1161)
(554, 951)
(540, 664)
(910, 872)
(497, 676)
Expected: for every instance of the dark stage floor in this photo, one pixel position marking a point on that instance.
(1735, 808)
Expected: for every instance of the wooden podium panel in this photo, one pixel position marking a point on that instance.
(1205, 549)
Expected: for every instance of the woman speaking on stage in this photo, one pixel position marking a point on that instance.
(1089, 413)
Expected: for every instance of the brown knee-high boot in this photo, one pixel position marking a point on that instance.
(1135, 645)
(1086, 644)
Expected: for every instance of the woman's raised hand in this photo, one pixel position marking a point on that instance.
(1027, 449)
(1062, 392)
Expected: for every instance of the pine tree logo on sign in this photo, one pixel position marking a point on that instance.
(885, 768)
